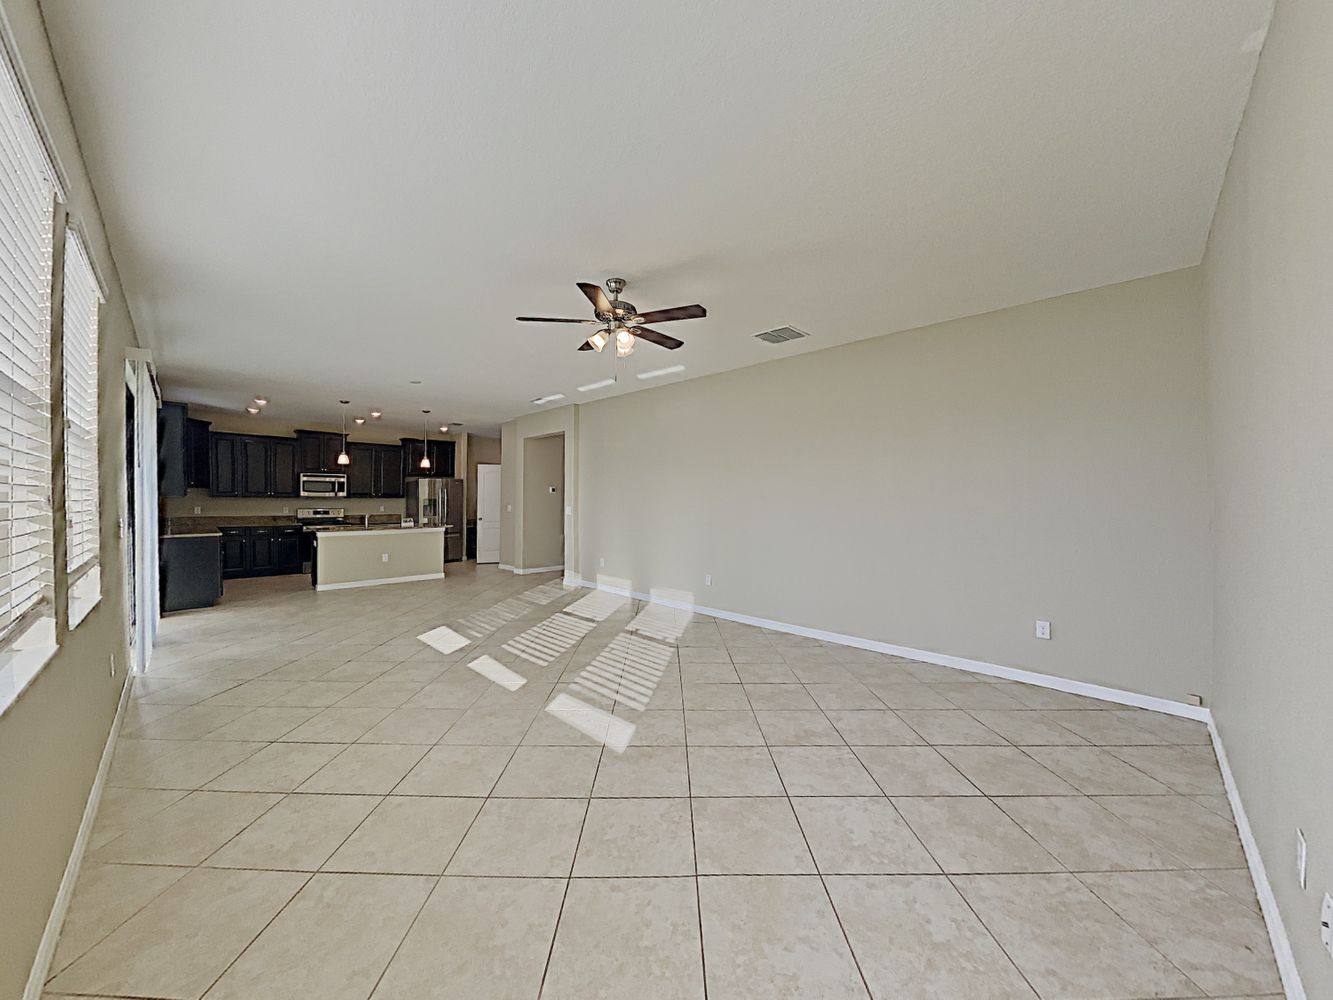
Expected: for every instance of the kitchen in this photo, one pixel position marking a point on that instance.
(248, 496)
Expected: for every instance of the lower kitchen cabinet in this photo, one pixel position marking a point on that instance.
(261, 551)
(191, 573)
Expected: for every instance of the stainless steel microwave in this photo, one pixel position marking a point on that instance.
(323, 484)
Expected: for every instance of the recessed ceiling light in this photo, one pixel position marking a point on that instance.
(358, 420)
(261, 401)
(376, 414)
(444, 428)
(252, 410)
(659, 372)
(597, 385)
(548, 399)
(415, 381)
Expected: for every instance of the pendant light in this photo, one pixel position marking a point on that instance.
(425, 442)
(343, 457)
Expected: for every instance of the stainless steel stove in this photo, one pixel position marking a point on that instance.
(311, 517)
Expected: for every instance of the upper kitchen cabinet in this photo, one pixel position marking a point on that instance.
(248, 465)
(376, 470)
(197, 465)
(317, 451)
(441, 458)
(171, 450)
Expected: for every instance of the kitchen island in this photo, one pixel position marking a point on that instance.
(344, 558)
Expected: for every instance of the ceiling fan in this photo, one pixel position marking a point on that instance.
(621, 321)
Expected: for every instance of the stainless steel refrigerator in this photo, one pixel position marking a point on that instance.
(432, 503)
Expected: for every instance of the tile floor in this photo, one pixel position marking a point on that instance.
(584, 797)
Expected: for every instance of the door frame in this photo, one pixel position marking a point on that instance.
(139, 530)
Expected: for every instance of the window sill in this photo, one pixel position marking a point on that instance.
(24, 658)
(85, 595)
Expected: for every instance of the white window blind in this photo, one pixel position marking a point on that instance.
(82, 298)
(27, 195)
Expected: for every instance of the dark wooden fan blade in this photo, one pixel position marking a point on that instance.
(596, 296)
(660, 339)
(550, 319)
(667, 315)
(585, 346)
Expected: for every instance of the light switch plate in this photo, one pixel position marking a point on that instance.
(1326, 923)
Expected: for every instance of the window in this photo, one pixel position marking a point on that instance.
(27, 197)
(79, 359)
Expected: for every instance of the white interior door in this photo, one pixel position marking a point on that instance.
(488, 513)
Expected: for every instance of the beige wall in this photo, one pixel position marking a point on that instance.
(480, 451)
(353, 556)
(940, 488)
(543, 510)
(1269, 300)
(51, 739)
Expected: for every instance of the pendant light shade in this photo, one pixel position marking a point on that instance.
(425, 443)
(343, 457)
(598, 340)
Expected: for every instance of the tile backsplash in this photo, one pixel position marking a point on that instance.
(179, 507)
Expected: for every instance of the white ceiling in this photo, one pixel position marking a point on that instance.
(317, 199)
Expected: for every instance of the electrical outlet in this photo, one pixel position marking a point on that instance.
(708, 579)
(1302, 855)
(286, 510)
(198, 509)
(1326, 923)
(1042, 629)
(384, 557)
(381, 508)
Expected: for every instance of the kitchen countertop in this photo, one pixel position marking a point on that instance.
(215, 533)
(343, 529)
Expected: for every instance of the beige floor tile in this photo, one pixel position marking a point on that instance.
(868, 727)
(749, 836)
(535, 838)
(732, 771)
(317, 694)
(914, 936)
(779, 697)
(655, 727)
(406, 836)
(1104, 728)
(810, 672)
(1187, 770)
(1083, 836)
(182, 940)
(844, 696)
(549, 773)
(913, 771)
(798, 729)
(188, 831)
(1170, 729)
(1048, 699)
(1235, 881)
(1066, 941)
(950, 728)
(453, 691)
(768, 671)
(337, 724)
(753, 950)
(279, 767)
(973, 835)
(1197, 836)
(297, 834)
(1005, 771)
(490, 728)
(978, 697)
(643, 771)
(104, 898)
(909, 695)
(456, 771)
(381, 694)
(1219, 942)
(860, 836)
(365, 769)
(716, 696)
(479, 939)
(263, 724)
(189, 764)
(121, 808)
(412, 725)
(1094, 771)
(253, 694)
(621, 938)
(331, 942)
(636, 837)
(823, 771)
(190, 723)
(1027, 728)
(725, 729)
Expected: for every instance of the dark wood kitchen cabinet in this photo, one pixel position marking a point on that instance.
(282, 467)
(225, 465)
(261, 551)
(389, 471)
(376, 470)
(317, 451)
(251, 465)
(183, 461)
(198, 470)
(441, 458)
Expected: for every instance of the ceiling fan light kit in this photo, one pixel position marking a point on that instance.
(622, 321)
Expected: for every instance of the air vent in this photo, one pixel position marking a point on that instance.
(781, 335)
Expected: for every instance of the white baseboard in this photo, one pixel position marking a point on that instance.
(1277, 930)
(1130, 698)
(534, 569)
(379, 583)
(1277, 933)
(46, 948)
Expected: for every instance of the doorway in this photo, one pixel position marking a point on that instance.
(488, 513)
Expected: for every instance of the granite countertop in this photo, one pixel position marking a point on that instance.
(179, 527)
